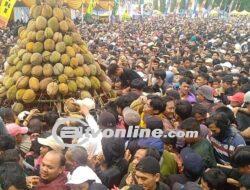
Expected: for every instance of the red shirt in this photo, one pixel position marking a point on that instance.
(57, 184)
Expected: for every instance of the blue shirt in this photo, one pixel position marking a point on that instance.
(223, 150)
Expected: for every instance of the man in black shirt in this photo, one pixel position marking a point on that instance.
(126, 76)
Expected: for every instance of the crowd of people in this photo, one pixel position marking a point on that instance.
(170, 73)
(8, 38)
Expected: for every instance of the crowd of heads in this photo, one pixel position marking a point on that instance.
(171, 73)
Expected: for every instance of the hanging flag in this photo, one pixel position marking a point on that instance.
(210, 6)
(195, 6)
(177, 5)
(116, 7)
(231, 5)
(166, 6)
(186, 5)
(191, 4)
(5, 11)
(91, 7)
(169, 6)
(202, 5)
(220, 5)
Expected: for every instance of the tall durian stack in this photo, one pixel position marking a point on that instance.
(50, 59)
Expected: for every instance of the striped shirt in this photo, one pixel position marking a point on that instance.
(224, 150)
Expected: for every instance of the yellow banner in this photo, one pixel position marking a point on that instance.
(5, 11)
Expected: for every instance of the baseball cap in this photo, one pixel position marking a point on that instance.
(82, 174)
(206, 91)
(51, 142)
(192, 162)
(131, 117)
(13, 129)
(247, 97)
(237, 97)
(21, 116)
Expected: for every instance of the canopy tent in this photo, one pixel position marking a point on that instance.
(77, 4)
(157, 13)
(234, 13)
(214, 13)
(244, 13)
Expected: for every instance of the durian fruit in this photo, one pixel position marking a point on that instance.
(11, 93)
(47, 70)
(70, 51)
(80, 83)
(17, 107)
(49, 45)
(53, 24)
(32, 36)
(51, 3)
(68, 40)
(47, 11)
(38, 47)
(3, 91)
(29, 96)
(63, 89)
(36, 11)
(60, 47)
(51, 57)
(41, 23)
(69, 72)
(58, 69)
(72, 86)
(79, 72)
(46, 56)
(22, 82)
(44, 83)
(34, 84)
(85, 94)
(87, 83)
(8, 82)
(106, 87)
(17, 75)
(40, 36)
(65, 59)
(55, 57)
(26, 70)
(57, 37)
(37, 71)
(19, 94)
(95, 83)
(58, 13)
(63, 78)
(31, 25)
(64, 26)
(48, 33)
(36, 59)
(52, 89)
(26, 58)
